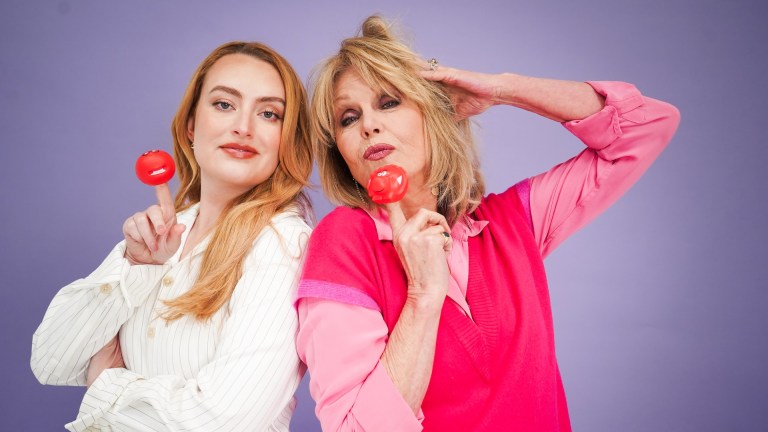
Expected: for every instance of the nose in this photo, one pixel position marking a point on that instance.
(243, 124)
(371, 124)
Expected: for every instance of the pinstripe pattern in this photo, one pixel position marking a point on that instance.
(237, 371)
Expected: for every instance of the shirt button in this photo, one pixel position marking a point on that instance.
(105, 288)
(167, 281)
(151, 332)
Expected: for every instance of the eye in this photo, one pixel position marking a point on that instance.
(223, 106)
(271, 115)
(348, 118)
(389, 103)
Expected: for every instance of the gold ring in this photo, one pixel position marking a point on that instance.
(446, 239)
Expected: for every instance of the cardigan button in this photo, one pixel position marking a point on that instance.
(105, 288)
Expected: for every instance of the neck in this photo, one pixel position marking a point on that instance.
(418, 198)
(213, 201)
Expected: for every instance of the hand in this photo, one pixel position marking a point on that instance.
(471, 92)
(110, 356)
(153, 236)
(422, 247)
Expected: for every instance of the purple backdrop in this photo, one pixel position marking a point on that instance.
(659, 304)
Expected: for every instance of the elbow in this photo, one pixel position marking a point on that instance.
(671, 119)
(667, 120)
(47, 370)
(43, 376)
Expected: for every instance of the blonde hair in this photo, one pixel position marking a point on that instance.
(251, 212)
(385, 63)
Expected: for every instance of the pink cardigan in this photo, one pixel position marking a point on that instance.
(342, 335)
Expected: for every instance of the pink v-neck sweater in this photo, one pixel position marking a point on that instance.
(501, 368)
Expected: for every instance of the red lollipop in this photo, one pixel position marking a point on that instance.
(388, 184)
(155, 167)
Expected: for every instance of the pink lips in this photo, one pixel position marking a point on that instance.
(378, 151)
(239, 151)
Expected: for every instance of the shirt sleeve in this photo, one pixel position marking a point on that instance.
(254, 374)
(86, 314)
(350, 386)
(622, 140)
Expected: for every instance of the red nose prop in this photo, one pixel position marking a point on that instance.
(388, 184)
(155, 167)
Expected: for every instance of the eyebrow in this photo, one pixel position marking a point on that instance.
(340, 98)
(237, 94)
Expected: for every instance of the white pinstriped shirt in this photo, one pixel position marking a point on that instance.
(236, 372)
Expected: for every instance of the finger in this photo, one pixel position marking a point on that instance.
(145, 230)
(425, 218)
(155, 214)
(131, 233)
(396, 217)
(163, 193)
(441, 74)
(173, 241)
(438, 237)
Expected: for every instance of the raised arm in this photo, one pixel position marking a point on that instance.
(624, 132)
(474, 92)
(623, 139)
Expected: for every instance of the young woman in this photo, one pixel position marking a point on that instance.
(433, 313)
(188, 323)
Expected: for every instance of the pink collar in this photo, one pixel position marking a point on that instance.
(465, 228)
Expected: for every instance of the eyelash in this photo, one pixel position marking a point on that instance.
(387, 104)
(267, 114)
(275, 116)
(218, 105)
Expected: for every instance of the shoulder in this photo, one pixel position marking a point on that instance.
(502, 204)
(346, 237)
(287, 234)
(352, 224)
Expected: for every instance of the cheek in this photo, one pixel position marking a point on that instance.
(345, 148)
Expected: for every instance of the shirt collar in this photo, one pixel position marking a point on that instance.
(466, 226)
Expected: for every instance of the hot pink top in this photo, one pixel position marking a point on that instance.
(351, 388)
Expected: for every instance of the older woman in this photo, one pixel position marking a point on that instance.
(404, 327)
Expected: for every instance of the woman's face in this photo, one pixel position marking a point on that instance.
(237, 124)
(373, 130)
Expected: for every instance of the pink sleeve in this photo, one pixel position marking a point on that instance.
(622, 139)
(342, 345)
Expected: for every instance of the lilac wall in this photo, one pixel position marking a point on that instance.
(659, 304)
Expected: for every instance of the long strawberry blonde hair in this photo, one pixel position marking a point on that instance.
(251, 212)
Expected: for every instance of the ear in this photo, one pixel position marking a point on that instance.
(191, 128)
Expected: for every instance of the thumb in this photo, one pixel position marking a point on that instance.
(173, 241)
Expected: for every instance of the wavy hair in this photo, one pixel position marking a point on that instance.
(250, 213)
(384, 63)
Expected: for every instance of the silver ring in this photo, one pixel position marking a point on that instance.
(433, 64)
(447, 239)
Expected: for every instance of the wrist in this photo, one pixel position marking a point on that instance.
(506, 88)
(425, 305)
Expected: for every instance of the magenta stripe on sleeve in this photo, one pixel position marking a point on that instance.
(336, 292)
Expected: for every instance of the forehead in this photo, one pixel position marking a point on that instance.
(352, 84)
(250, 76)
